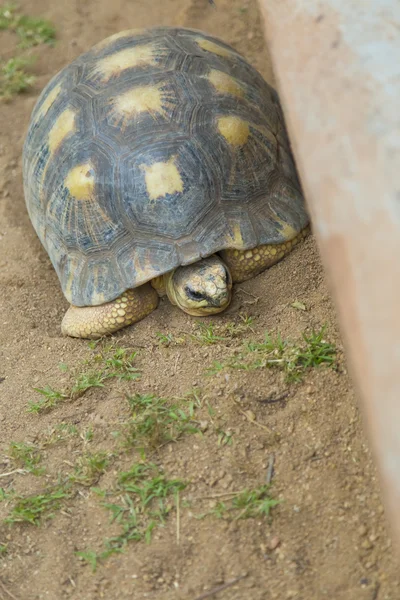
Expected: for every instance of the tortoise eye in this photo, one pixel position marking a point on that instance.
(193, 294)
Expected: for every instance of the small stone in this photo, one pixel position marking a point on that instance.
(362, 530)
(203, 425)
(250, 415)
(274, 542)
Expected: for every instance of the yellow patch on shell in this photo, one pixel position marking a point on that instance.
(147, 98)
(225, 84)
(48, 102)
(287, 230)
(213, 47)
(64, 126)
(162, 178)
(117, 36)
(234, 130)
(81, 181)
(235, 237)
(138, 56)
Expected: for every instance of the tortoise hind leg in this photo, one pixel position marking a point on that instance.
(245, 264)
(95, 321)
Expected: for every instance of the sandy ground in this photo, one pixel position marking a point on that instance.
(327, 539)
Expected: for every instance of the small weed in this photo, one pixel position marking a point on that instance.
(89, 467)
(3, 549)
(224, 437)
(205, 334)
(31, 31)
(164, 339)
(33, 509)
(145, 492)
(90, 557)
(111, 363)
(145, 498)
(317, 351)
(5, 495)
(155, 421)
(86, 381)
(244, 505)
(253, 503)
(216, 367)
(27, 456)
(50, 399)
(87, 434)
(14, 78)
(60, 433)
(294, 359)
(235, 330)
(120, 365)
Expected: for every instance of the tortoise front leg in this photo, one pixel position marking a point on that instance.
(245, 264)
(95, 321)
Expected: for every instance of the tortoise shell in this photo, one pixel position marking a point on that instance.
(154, 149)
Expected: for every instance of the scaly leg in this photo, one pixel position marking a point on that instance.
(245, 264)
(95, 321)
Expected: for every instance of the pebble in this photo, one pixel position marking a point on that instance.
(362, 530)
(274, 542)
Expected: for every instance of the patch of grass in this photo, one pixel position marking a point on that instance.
(31, 31)
(27, 456)
(246, 504)
(90, 557)
(120, 365)
(165, 339)
(4, 495)
(90, 466)
(293, 358)
(224, 437)
(235, 330)
(168, 339)
(86, 381)
(155, 421)
(60, 433)
(109, 363)
(216, 367)
(50, 399)
(14, 77)
(34, 509)
(145, 498)
(205, 335)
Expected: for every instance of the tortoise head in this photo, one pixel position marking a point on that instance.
(203, 288)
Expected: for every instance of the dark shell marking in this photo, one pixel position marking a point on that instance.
(150, 151)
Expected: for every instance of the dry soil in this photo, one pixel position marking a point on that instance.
(328, 538)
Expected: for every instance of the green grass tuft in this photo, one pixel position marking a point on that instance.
(34, 509)
(109, 363)
(90, 466)
(31, 31)
(14, 78)
(246, 504)
(155, 421)
(27, 456)
(292, 358)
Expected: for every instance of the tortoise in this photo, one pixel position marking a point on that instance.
(158, 163)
